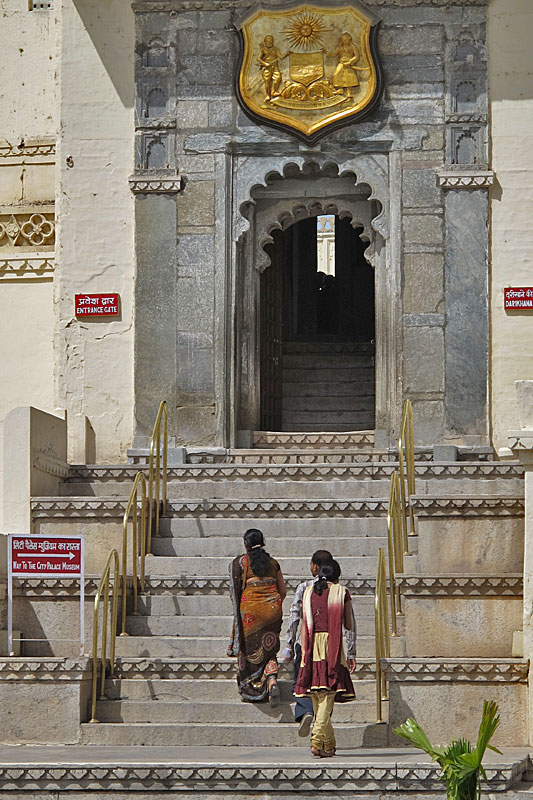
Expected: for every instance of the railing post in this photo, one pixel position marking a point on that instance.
(103, 589)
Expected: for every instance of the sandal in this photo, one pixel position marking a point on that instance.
(315, 751)
(327, 753)
(273, 694)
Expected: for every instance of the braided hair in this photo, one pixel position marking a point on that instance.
(329, 572)
(258, 557)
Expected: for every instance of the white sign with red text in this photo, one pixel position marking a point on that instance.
(41, 556)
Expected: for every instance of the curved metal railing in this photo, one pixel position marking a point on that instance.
(395, 548)
(406, 460)
(157, 482)
(382, 632)
(140, 481)
(103, 591)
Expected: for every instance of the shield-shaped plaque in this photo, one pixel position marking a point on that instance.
(308, 68)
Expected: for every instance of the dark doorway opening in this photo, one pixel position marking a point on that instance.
(317, 329)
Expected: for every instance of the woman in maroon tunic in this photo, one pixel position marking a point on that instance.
(324, 672)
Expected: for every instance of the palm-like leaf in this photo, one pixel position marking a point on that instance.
(460, 763)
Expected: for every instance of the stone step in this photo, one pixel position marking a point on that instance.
(326, 389)
(314, 440)
(351, 566)
(219, 712)
(335, 403)
(231, 734)
(333, 420)
(287, 546)
(327, 361)
(194, 605)
(208, 689)
(328, 529)
(329, 347)
(184, 647)
(189, 626)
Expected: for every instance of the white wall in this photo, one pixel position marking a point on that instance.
(27, 115)
(94, 360)
(510, 51)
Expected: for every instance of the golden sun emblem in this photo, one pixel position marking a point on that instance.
(305, 31)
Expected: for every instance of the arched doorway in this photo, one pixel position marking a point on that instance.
(317, 328)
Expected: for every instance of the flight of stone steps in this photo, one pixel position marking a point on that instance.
(328, 386)
(174, 683)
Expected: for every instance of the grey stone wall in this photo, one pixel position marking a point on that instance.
(433, 113)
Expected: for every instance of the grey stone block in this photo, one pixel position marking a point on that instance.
(423, 320)
(192, 114)
(221, 113)
(426, 229)
(467, 329)
(194, 249)
(411, 39)
(419, 188)
(423, 360)
(196, 204)
(429, 421)
(194, 354)
(423, 282)
(444, 452)
(195, 301)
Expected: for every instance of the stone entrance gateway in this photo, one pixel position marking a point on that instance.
(307, 341)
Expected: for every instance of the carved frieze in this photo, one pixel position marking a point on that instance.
(27, 266)
(148, 184)
(465, 178)
(461, 585)
(23, 227)
(471, 670)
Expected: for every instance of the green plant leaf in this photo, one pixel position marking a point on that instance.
(412, 731)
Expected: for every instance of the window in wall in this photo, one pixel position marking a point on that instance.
(325, 244)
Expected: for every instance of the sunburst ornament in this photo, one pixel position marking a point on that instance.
(305, 31)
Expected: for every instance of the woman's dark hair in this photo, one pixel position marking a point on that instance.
(257, 555)
(328, 572)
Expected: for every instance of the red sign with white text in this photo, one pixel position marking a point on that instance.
(97, 305)
(518, 297)
(46, 556)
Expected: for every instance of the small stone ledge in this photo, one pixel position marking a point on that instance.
(469, 670)
(145, 6)
(461, 585)
(464, 178)
(55, 587)
(45, 669)
(468, 506)
(156, 184)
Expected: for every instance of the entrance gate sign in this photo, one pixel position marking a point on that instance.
(41, 556)
(518, 297)
(97, 305)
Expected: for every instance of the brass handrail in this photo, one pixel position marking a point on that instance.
(103, 588)
(133, 504)
(382, 632)
(406, 451)
(395, 547)
(155, 445)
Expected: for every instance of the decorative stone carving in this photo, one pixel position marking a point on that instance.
(167, 184)
(461, 585)
(480, 670)
(51, 465)
(206, 5)
(76, 508)
(465, 178)
(27, 266)
(360, 585)
(26, 228)
(46, 669)
(520, 440)
(29, 150)
(463, 506)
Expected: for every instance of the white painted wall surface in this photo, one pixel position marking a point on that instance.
(510, 52)
(27, 114)
(94, 360)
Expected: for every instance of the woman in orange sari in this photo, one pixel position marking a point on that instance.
(257, 591)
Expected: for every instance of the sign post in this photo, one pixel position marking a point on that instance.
(41, 556)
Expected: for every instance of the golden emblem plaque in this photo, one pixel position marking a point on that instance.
(308, 68)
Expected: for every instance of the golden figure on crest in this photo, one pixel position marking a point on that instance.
(312, 93)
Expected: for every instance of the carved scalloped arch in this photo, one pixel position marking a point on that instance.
(292, 212)
(369, 169)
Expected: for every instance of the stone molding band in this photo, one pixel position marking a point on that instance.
(27, 266)
(153, 184)
(302, 471)
(457, 506)
(479, 670)
(147, 6)
(461, 585)
(465, 179)
(239, 780)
